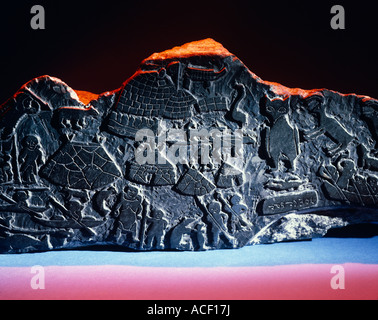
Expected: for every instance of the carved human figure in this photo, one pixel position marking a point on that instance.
(156, 229)
(281, 137)
(236, 206)
(218, 221)
(127, 213)
(30, 159)
(179, 231)
(236, 212)
(193, 230)
(200, 230)
(347, 170)
(74, 209)
(5, 167)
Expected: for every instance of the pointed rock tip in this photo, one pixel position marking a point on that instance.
(208, 47)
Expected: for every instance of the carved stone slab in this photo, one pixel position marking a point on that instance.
(193, 152)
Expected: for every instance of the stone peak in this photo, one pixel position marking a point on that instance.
(205, 47)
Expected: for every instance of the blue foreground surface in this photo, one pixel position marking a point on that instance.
(318, 251)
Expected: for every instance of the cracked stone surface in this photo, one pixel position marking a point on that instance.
(192, 152)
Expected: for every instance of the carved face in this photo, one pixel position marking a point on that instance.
(30, 106)
(157, 214)
(31, 142)
(235, 199)
(276, 108)
(214, 208)
(131, 193)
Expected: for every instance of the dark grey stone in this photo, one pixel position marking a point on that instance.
(277, 164)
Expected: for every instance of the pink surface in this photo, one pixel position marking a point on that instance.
(127, 282)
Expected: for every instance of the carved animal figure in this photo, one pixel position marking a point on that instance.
(281, 140)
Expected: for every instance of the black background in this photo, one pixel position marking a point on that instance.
(97, 45)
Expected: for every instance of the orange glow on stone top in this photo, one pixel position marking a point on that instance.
(89, 108)
(196, 48)
(286, 92)
(86, 97)
(281, 90)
